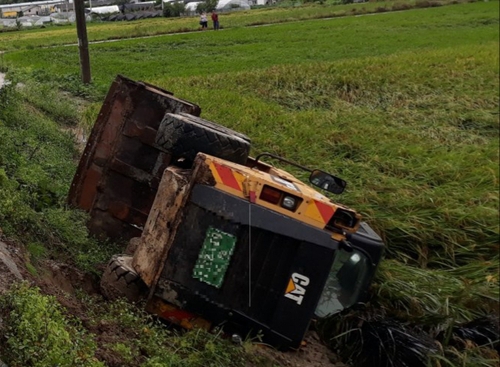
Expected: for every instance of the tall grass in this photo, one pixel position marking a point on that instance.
(37, 160)
(433, 196)
(97, 31)
(242, 49)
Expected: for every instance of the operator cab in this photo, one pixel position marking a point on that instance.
(355, 259)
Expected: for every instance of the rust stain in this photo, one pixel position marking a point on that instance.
(121, 166)
(161, 224)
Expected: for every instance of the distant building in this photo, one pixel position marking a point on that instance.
(111, 9)
(39, 10)
(142, 6)
(222, 5)
(191, 7)
(64, 7)
(33, 8)
(260, 2)
(9, 13)
(227, 5)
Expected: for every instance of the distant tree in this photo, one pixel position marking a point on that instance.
(121, 4)
(211, 5)
(174, 9)
(207, 6)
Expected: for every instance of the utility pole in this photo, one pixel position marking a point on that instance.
(83, 43)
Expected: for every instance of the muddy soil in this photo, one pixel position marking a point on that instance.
(10, 271)
(63, 281)
(312, 354)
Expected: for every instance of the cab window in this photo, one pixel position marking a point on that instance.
(344, 284)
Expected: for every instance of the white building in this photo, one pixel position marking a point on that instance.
(225, 5)
(105, 10)
(33, 8)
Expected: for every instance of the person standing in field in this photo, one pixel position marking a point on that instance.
(215, 19)
(203, 21)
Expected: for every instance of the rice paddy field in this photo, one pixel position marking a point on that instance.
(403, 105)
(284, 11)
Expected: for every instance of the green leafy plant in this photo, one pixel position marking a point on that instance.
(36, 332)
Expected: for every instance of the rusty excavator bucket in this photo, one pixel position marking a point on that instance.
(121, 167)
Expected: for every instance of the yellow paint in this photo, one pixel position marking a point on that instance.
(240, 178)
(252, 179)
(290, 287)
(313, 213)
(215, 173)
(338, 236)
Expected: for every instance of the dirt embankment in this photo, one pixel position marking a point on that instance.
(63, 281)
(10, 272)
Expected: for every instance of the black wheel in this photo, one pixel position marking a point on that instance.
(121, 281)
(184, 135)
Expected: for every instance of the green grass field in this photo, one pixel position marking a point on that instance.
(404, 106)
(292, 43)
(284, 12)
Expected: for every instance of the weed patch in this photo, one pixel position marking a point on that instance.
(136, 339)
(36, 161)
(36, 332)
(401, 6)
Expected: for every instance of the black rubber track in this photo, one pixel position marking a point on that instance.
(184, 135)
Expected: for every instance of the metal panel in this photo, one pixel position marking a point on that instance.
(161, 225)
(273, 259)
(166, 214)
(120, 170)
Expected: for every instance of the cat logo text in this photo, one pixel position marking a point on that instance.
(296, 288)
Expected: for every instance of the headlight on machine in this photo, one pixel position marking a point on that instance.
(289, 202)
(281, 198)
